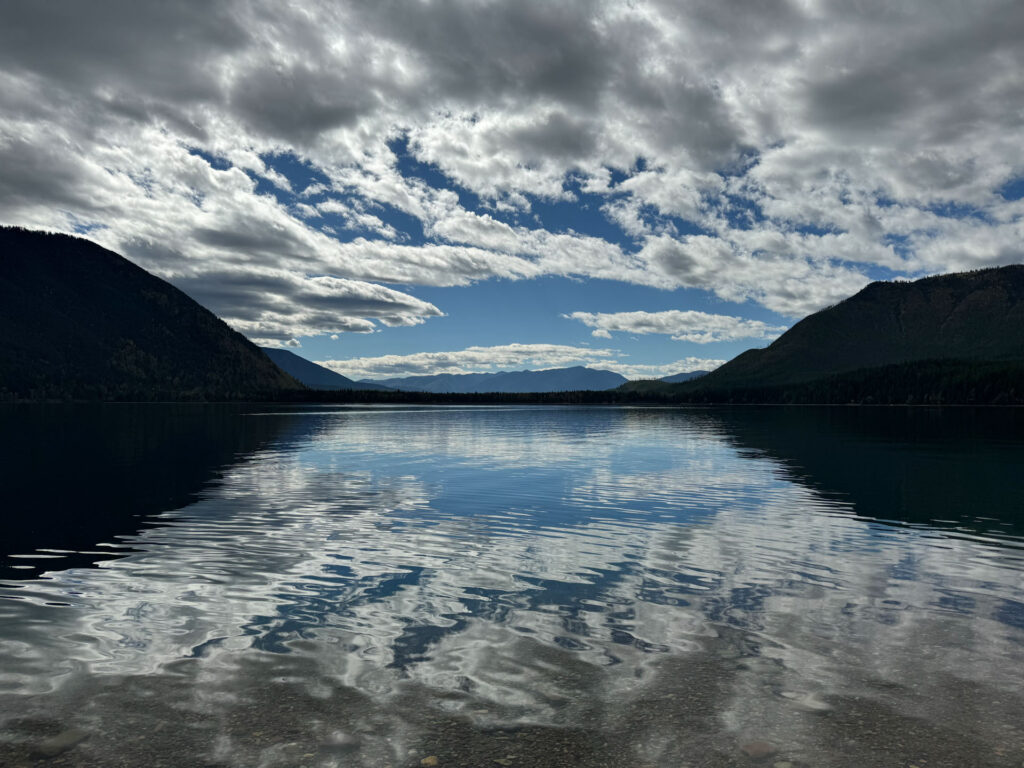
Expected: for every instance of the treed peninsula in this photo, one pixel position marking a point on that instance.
(80, 322)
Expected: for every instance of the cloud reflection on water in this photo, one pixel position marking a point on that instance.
(515, 567)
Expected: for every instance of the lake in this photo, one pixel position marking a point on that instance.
(337, 586)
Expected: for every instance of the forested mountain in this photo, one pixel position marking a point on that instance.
(663, 384)
(677, 378)
(967, 316)
(921, 382)
(554, 380)
(79, 321)
(312, 375)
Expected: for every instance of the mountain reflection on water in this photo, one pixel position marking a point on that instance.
(516, 586)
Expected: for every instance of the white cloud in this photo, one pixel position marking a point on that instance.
(779, 271)
(657, 371)
(357, 219)
(267, 303)
(681, 325)
(767, 152)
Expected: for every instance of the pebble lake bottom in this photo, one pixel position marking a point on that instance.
(199, 585)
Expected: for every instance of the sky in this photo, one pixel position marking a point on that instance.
(450, 186)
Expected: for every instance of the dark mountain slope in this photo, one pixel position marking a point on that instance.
(967, 316)
(312, 375)
(572, 379)
(662, 385)
(79, 321)
(677, 378)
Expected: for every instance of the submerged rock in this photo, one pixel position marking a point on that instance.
(62, 742)
(758, 750)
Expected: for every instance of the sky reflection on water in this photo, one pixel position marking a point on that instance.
(657, 586)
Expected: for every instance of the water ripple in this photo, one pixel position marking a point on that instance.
(526, 566)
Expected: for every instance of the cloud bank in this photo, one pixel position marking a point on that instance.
(781, 153)
(698, 327)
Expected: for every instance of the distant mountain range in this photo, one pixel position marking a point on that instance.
(316, 376)
(312, 375)
(79, 321)
(554, 380)
(573, 379)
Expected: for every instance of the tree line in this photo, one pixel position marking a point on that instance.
(931, 382)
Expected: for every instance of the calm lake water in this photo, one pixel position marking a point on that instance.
(263, 586)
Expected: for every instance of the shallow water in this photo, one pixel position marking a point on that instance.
(231, 586)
